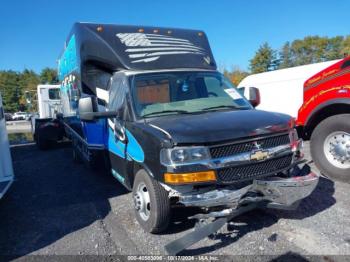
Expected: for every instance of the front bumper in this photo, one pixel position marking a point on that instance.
(272, 192)
(278, 192)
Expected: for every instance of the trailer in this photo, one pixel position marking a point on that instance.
(6, 169)
(148, 105)
(318, 96)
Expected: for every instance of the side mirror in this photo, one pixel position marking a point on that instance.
(87, 106)
(119, 131)
(254, 96)
(88, 110)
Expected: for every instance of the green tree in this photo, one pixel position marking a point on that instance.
(345, 46)
(263, 60)
(334, 48)
(48, 76)
(285, 59)
(314, 49)
(10, 90)
(236, 75)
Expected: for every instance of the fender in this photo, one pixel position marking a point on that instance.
(343, 101)
(132, 168)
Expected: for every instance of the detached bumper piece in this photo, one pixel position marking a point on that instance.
(273, 192)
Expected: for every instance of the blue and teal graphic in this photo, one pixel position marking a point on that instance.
(68, 62)
(134, 150)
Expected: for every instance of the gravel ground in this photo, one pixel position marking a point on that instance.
(57, 207)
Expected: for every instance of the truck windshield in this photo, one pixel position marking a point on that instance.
(185, 92)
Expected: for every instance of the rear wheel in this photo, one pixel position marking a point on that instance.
(41, 143)
(152, 204)
(330, 147)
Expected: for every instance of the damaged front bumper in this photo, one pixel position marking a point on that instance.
(273, 192)
(278, 192)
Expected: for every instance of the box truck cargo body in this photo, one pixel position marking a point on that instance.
(6, 169)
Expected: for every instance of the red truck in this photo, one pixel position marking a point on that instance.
(321, 105)
(324, 118)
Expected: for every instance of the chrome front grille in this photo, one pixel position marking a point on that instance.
(243, 147)
(253, 170)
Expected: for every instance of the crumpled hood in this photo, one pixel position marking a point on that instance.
(219, 126)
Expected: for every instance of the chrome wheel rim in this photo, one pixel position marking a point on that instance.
(337, 149)
(142, 201)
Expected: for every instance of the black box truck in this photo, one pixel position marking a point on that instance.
(149, 105)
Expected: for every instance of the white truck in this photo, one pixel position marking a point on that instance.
(6, 169)
(49, 104)
(49, 100)
(282, 90)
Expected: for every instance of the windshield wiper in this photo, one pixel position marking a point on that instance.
(167, 111)
(223, 106)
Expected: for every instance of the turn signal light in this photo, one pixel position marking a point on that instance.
(185, 178)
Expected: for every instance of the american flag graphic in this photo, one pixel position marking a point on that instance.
(150, 47)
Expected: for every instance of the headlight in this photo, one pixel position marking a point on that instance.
(183, 155)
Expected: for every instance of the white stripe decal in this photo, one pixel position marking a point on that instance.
(152, 46)
(102, 94)
(163, 53)
(146, 60)
(160, 49)
(173, 45)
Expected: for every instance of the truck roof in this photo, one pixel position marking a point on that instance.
(117, 47)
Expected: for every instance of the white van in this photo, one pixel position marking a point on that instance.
(6, 169)
(282, 90)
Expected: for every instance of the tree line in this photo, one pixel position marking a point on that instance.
(14, 85)
(311, 49)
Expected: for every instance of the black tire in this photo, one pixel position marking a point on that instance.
(318, 137)
(41, 143)
(159, 208)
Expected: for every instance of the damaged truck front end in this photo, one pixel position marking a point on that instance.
(205, 153)
(150, 106)
(221, 203)
(226, 179)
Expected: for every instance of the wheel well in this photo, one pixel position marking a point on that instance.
(322, 114)
(136, 168)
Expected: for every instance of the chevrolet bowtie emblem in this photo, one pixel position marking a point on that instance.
(259, 155)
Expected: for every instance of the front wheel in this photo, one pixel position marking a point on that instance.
(152, 204)
(330, 147)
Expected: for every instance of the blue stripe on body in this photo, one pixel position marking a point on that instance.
(134, 150)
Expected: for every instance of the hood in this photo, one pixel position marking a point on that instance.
(219, 126)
